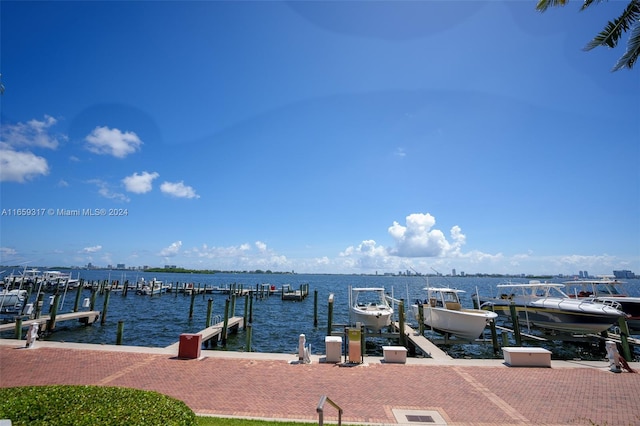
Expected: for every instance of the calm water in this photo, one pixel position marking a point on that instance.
(158, 321)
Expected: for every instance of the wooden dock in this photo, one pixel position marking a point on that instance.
(85, 317)
(423, 343)
(215, 331)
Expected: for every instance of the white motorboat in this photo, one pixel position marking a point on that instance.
(443, 312)
(148, 288)
(12, 301)
(545, 305)
(370, 307)
(607, 290)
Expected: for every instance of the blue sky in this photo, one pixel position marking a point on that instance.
(337, 137)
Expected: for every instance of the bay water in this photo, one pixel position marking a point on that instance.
(159, 321)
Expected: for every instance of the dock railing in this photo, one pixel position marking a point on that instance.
(320, 410)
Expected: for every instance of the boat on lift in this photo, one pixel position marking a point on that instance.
(369, 306)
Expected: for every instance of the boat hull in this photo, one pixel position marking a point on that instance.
(562, 315)
(466, 324)
(372, 318)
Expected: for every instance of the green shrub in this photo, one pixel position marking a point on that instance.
(91, 405)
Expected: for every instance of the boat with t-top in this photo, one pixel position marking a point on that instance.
(544, 305)
(443, 312)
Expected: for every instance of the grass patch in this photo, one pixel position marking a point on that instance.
(91, 405)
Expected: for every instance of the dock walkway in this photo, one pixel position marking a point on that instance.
(253, 385)
(215, 331)
(87, 317)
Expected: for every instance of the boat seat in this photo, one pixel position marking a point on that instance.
(454, 306)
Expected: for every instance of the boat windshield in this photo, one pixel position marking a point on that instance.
(369, 298)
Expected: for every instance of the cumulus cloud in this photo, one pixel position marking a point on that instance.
(33, 133)
(139, 183)
(178, 190)
(103, 140)
(104, 189)
(172, 250)
(16, 166)
(93, 249)
(419, 239)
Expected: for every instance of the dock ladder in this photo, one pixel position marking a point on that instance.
(320, 410)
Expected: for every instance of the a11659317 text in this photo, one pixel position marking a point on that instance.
(61, 212)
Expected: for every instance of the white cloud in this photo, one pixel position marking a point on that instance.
(105, 190)
(18, 166)
(103, 140)
(93, 249)
(139, 183)
(178, 190)
(33, 133)
(172, 250)
(418, 239)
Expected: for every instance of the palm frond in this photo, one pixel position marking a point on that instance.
(633, 49)
(543, 5)
(588, 3)
(612, 32)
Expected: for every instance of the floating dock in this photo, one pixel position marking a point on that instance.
(216, 331)
(85, 317)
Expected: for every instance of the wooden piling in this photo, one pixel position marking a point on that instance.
(624, 334)
(246, 308)
(516, 324)
(330, 315)
(18, 329)
(250, 310)
(226, 322)
(92, 303)
(76, 303)
(209, 312)
(403, 337)
(315, 308)
(120, 332)
(421, 318)
(39, 304)
(51, 324)
(248, 332)
(105, 306)
(193, 299)
(494, 335)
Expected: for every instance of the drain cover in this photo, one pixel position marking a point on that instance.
(418, 417)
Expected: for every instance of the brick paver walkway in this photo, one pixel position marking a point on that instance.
(464, 392)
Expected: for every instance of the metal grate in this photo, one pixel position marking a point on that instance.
(419, 419)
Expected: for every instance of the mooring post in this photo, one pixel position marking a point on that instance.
(193, 298)
(39, 304)
(246, 309)
(226, 322)
(421, 317)
(125, 289)
(250, 310)
(233, 305)
(330, 315)
(94, 293)
(516, 324)
(403, 337)
(624, 334)
(209, 311)
(120, 332)
(315, 308)
(76, 303)
(248, 331)
(494, 335)
(18, 330)
(105, 306)
(51, 324)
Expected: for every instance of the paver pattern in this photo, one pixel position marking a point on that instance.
(472, 393)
